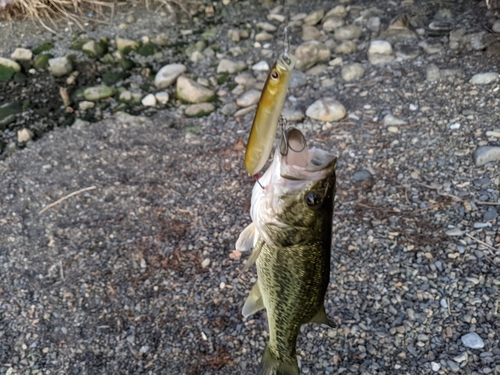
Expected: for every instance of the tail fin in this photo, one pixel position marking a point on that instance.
(273, 366)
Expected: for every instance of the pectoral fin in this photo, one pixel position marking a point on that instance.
(246, 239)
(254, 302)
(254, 255)
(322, 318)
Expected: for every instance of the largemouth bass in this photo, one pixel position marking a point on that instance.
(291, 235)
(268, 112)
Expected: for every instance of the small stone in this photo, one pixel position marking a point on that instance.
(393, 129)
(380, 47)
(443, 303)
(168, 74)
(491, 214)
(130, 97)
(339, 11)
(455, 126)
(298, 79)
(197, 56)
(455, 232)
(149, 100)
(435, 366)
(22, 54)
(460, 358)
(86, 105)
(261, 66)
(453, 365)
(391, 120)
(162, 97)
(317, 70)
(493, 133)
(191, 91)
(276, 17)
(407, 52)
(244, 111)
(229, 108)
(326, 110)
(349, 32)
(373, 24)
(333, 23)
(472, 340)
(496, 26)
(361, 175)
(94, 49)
(346, 48)
(352, 72)
(230, 67)
(249, 98)
(263, 36)
(476, 41)
(310, 53)
(8, 68)
(310, 33)
(336, 61)
(60, 66)
(314, 17)
(293, 115)
(431, 48)
(126, 45)
(486, 154)
(199, 110)
(484, 78)
(245, 79)
(98, 92)
(205, 263)
(24, 135)
(266, 26)
(432, 73)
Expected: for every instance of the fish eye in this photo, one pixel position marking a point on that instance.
(313, 199)
(274, 74)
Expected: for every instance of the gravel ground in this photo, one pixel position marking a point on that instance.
(138, 274)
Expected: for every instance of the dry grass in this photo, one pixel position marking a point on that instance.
(78, 10)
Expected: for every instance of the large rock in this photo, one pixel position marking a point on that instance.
(249, 98)
(192, 92)
(60, 66)
(310, 53)
(349, 32)
(98, 92)
(168, 74)
(486, 154)
(352, 72)
(326, 109)
(484, 78)
(22, 54)
(8, 68)
(230, 67)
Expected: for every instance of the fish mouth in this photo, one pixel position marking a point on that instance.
(298, 162)
(286, 61)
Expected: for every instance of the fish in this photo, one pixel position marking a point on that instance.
(291, 236)
(265, 123)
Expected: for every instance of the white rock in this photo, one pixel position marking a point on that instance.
(349, 32)
(261, 66)
(391, 120)
(191, 91)
(60, 66)
(85, 105)
(230, 67)
(245, 79)
(276, 17)
(263, 36)
(472, 340)
(352, 72)
(266, 26)
(493, 133)
(326, 110)
(380, 47)
(8, 63)
(435, 366)
(197, 56)
(149, 100)
(205, 263)
(199, 110)
(24, 135)
(455, 126)
(249, 98)
(162, 97)
(22, 54)
(168, 74)
(336, 61)
(332, 23)
(339, 10)
(314, 17)
(292, 115)
(484, 78)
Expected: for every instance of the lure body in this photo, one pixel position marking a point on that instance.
(268, 112)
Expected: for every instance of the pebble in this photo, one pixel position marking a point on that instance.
(435, 366)
(98, 92)
(432, 73)
(9, 64)
(162, 97)
(249, 98)
(338, 10)
(486, 154)
(60, 66)
(293, 115)
(493, 133)
(22, 54)
(348, 32)
(431, 48)
(472, 340)
(490, 215)
(455, 232)
(276, 17)
(86, 105)
(336, 61)
(126, 45)
(93, 48)
(455, 126)
(298, 79)
(261, 66)
(24, 135)
(380, 47)
(191, 91)
(313, 18)
(373, 24)
(244, 111)
(333, 23)
(263, 36)
(361, 175)
(352, 72)
(326, 110)
(310, 33)
(230, 67)
(346, 48)
(407, 52)
(391, 120)
(149, 100)
(496, 26)
(484, 78)
(246, 79)
(310, 53)
(266, 26)
(199, 110)
(168, 74)
(205, 263)
(453, 365)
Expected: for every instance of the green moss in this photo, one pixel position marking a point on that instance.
(147, 49)
(222, 78)
(110, 78)
(20, 77)
(192, 129)
(45, 46)
(77, 46)
(210, 33)
(42, 61)
(126, 64)
(6, 73)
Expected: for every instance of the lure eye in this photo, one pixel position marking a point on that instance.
(287, 60)
(274, 75)
(313, 199)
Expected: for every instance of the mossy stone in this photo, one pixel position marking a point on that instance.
(44, 46)
(42, 61)
(147, 49)
(77, 46)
